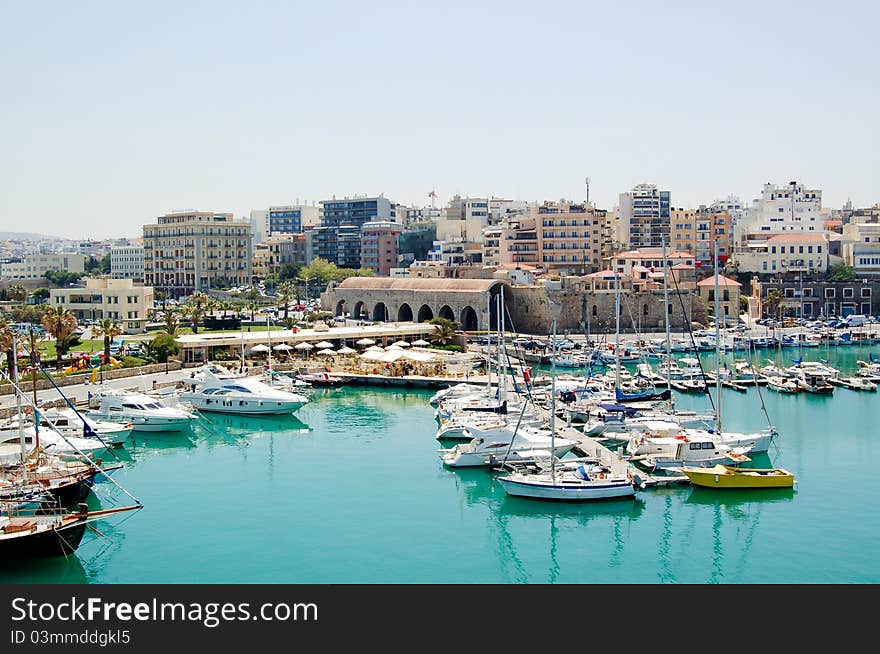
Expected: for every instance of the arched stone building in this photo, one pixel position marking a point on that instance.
(470, 302)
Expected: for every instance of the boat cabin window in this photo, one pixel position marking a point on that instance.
(708, 446)
(153, 405)
(239, 388)
(132, 406)
(694, 446)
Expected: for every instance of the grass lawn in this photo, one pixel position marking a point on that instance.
(47, 348)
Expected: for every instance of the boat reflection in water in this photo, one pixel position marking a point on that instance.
(509, 515)
(223, 425)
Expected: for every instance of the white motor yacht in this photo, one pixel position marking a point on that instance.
(50, 441)
(494, 447)
(76, 424)
(694, 449)
(248, 395)
(142, 411)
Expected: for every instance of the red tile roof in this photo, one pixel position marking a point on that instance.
(722, 281)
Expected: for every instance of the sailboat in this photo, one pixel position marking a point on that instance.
(576, 482)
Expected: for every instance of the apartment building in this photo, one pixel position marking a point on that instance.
(860, 247)
(795, 252)
(35, 266)
(379, 246)
(127, 262)
(191, 251)
(789, 208)
(120, 300)
(271, 254)
(643, 217)
(697, 230)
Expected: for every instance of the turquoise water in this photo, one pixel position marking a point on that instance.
(351, 491)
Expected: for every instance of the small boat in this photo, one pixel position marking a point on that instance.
(320, 378)
(721, 476)
(585, 482)
(855, 383)
(783, 385)
(48, 533)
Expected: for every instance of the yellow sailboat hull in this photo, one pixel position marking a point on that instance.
(720, 476)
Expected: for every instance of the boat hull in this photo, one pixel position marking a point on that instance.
(559, 492)
(725, 477)
(244, 407)
(43, 543)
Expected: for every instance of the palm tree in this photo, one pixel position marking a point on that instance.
(16, 292)
(196, 308)
(773, 301)
(109, 329)
(61, 324)
(285, 295)
(172, 324)
(252, 309)
(445, 332)
(6, 341)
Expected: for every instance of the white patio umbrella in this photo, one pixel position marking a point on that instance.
(393, 346)
(328, 351)
(421, 343)
(366, 341)
(259, 347)
(401, 343)
(374, 348)
(303, 346)
(282, 347)
(346, 350)
(323, 345)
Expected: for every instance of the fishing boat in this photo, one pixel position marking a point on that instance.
(723, 476)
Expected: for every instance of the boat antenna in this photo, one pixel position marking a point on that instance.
(666, 322)
(717, 344)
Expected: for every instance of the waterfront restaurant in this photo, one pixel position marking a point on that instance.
(199, 348)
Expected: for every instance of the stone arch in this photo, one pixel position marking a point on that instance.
(360, 308)
(404, 313)
(380, 312)
(469, 321)
(644, 309)
(425, 313)
(340, 308)
(595, 310)
(446, 312)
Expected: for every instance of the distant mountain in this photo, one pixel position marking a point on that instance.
(23, 236)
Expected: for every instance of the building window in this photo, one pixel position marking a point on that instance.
(830, 292)
(866, 292)
(848, 292)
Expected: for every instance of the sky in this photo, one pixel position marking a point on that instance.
(113, 114)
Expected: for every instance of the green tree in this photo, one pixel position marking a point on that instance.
(17, 292)
(445, 332)
(105, 264)
(285, 295)
(92, 265)
(6, 340)
(40, 294)
(319, 270)
(252, 309)
(60, 323)
(290, 270)
(172, 324)
(62, 277)
(840, 272)
(109, 329)
(773, 301)
(196, 309)
(162, 347)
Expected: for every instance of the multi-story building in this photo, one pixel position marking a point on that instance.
(102, 297)
(697, 230)
(728, 297)
(860, 247)
(569, 237)
(321, 243)
(492, 246)
(789, 208)
(348, 246)
(418, 218)
(643, 217)
(519, 241)
(194, 251)
(809, 297)
(277, 250)
(379, 246)
(463, 219)
(789, 252)
(356, 211)
(650, 259)
(35, 266)
(127, 262)
(288, 219)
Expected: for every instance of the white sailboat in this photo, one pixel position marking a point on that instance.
(584, 482)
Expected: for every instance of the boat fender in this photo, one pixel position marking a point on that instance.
(601, 475)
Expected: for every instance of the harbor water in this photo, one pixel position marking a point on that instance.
(351, 490)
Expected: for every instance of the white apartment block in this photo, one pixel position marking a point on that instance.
(492, 246)
(789, 208)
(101, 297)
(192, 251)
(860, 247)
(463, 219)
(35, 266)
(127, 262)
(643, 217)
(783, 253)
(284, 219)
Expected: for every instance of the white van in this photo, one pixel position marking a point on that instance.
(856, 320)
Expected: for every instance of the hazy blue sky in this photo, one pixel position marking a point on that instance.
(113, 114)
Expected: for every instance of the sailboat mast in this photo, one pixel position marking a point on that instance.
(14, 364)
(717, 344)
(666, 322)
(617, 330)
(553, 407)
(269, 340)
(489, 333)
(502, 380)
(34, 362)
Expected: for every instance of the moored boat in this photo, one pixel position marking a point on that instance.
(722, 476)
